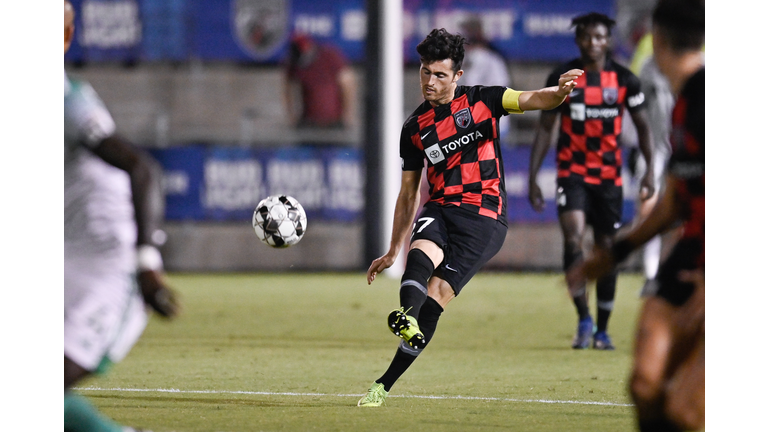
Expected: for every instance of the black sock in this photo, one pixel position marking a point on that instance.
(580, 301)
(659, 425)
(397, 368)
(430, 314)
(606, 293)
(413, 285)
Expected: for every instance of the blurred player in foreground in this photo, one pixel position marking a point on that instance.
(589, 183)
(113, 204)
(464, 223)
(667, 381)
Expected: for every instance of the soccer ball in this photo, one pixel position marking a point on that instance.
(279, 221)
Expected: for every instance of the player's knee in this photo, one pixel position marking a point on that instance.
(644, 389)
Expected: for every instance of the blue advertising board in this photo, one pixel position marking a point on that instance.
(258, 31)
(225, 183)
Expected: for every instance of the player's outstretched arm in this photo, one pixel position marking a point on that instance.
(405, 212)
(550, 97)
(148, 202)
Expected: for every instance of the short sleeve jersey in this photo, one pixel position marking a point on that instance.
(460, 142)
(686, 165)
(591, 120)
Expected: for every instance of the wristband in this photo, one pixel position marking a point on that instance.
(621, 250)
(148, 258)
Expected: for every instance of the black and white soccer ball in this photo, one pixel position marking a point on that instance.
(279, 221)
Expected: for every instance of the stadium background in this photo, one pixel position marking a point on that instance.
(184, 80)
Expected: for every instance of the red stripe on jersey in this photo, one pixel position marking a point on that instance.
(453, 160)
(617, 126)
(472, 198)
(579, 169)
(454, 190)
(459, 103)
(480, 112)
(609, 143)
(609, 79)
(593, 128)
(594, 160)
(426, 119)
(491, 186)
(435, 179)
(593, 95)
(609, 172)
(446, 128)
(578, 143)
(567, 123)
(416, 140)
(470, 172)
(489, 213)
(486, 150)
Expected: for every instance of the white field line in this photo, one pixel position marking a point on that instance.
(242, 392)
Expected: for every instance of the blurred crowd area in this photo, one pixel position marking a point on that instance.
(176, 72)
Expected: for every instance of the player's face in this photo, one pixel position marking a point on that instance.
(438, 81)
(593, 42)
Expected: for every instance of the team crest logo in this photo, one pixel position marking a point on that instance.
(463, 118)
(260, 26)
(610, 95)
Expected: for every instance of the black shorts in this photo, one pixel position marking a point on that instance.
(682, 257)
(468, 240)
(602, 204)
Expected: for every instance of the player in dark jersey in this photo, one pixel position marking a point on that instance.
(464, 223)
(667, 381)
(589, 184)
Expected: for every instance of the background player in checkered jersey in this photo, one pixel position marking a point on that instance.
(464, 222)
(667, 380)
(589, 183)
(113, 204)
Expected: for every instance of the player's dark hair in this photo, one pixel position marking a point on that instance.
(581, 22)
(681, 22)
(441, 45)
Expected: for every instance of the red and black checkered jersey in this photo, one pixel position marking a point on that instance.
(460, 141)
(591, 117)
(686, 164)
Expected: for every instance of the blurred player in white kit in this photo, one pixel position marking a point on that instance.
(113, 205)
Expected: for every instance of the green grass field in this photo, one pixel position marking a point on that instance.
(267, 352)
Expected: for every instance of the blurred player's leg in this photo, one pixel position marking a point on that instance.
(573, 224)
(652, 345)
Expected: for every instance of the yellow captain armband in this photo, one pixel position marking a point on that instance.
(511, 101)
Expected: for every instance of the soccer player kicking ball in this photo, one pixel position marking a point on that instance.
(464, 222)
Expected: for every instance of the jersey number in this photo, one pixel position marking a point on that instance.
(425, 222)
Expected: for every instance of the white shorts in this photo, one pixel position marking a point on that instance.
(104, 313)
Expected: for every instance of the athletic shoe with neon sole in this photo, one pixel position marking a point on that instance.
(375, 396)
(602, 341)
(583, 334)
(406, 327)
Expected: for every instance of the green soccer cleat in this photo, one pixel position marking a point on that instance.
(375, 396)
(406, 327)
